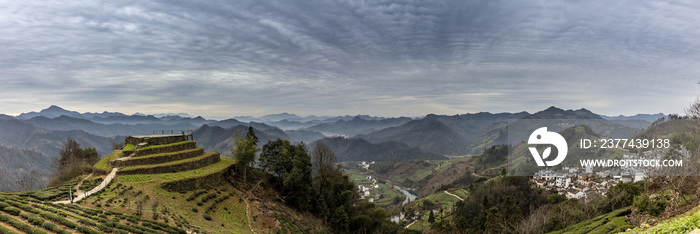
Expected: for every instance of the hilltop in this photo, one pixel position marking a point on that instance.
(155, 184)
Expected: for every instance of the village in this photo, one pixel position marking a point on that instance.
(588, 182)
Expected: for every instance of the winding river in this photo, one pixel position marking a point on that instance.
(409, 195)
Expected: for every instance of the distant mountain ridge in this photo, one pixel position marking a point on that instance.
(357, 125)
(358, 149)
(646, 117)
(472, 133)
(442, 134)
(558, 113)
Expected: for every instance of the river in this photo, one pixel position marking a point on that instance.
(409, 195)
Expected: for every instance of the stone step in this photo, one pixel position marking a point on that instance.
(173, 166)
(159, 149)
(209, 176)
(158, 158)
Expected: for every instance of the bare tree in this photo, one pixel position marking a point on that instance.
(323, 160)
(25, 182)
(37, 179)
(116, 145)
(535, 221)
(323, 156)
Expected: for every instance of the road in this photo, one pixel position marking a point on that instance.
(102, 185)
(448, 193)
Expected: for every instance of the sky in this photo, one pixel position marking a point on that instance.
(336, 57)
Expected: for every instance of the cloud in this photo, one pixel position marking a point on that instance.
(392, 57)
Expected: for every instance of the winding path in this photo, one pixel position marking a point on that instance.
(407, 226)
(448, 193)
(102, 185)
(247, 214)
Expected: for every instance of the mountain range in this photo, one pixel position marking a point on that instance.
(34, 135)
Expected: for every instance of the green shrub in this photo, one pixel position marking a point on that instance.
(87, 222)
(208, 197)
(654, 205)
(11, 210)
(32, 219)
(105, 229)
(207, 217)
(4, 230)
(195, 195)
(59, 220)
(52, 227)
(20, 226)
(87, 230)
(195, 210)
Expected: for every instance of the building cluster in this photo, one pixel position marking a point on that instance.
(583, 183)
(365, 190)
(365, 165)
(576, 183)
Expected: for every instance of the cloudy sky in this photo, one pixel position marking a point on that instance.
(331, 57)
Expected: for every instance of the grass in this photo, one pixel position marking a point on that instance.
(133, 178)
(129, 147)
(171, 144)
(422, 173)
(441, 198)
(461, 193)
(203, 156)
(612, 222)
(444, 165)
(388, 193)
(687, 222)
(103, 164)
(213, 168)
(169, 153)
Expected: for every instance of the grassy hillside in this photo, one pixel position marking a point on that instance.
(205, 196)
(612, 222)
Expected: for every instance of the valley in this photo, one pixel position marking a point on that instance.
(409, 170)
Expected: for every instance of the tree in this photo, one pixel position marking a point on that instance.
(275, 157)
(251, 135)
(431, 217)
(90, 156)
(340, 219)
(24, 182)
(70, 152)
(297, 183)
(245, 150)
(492, 220)
(73, 161)
(323, 161)
(323, 156)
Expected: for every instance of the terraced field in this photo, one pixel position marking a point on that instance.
(179, 166)
(24, 214)
(173, 188)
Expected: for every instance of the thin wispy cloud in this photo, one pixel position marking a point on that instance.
(223, 58)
